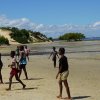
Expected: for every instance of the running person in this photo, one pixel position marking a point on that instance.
(14, 71)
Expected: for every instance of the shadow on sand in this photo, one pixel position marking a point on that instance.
(24, 79)
(12, 82)
(80, 97)
(28, 88)
(34, 79)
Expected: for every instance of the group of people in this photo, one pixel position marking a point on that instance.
(19, 59)
(17, 65)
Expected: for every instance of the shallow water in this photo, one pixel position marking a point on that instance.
(70, 47)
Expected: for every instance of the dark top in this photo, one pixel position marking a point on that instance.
(63, 64)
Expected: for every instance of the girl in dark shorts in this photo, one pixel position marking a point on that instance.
(22, 61)
(1, 64)
(63, 73)
(54, 54)
(14, 71)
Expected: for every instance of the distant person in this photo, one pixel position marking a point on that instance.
(54, 55)
(1, 64)
(17, 52)
(63, 73)
(27, 51)
(22, 62)
(14, 71)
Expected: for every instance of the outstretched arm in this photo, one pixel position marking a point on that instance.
(57, 56)
(50, 55)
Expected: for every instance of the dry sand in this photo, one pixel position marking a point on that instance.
(84, 79)
(6, 33)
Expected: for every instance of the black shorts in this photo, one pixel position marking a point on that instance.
(54, 59)
(22, 66)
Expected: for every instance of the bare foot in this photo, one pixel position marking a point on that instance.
(1, 83)
(59, 96)
(24, 86)
(27, 78)
(8, 89)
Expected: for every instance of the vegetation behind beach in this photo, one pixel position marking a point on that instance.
(21, 36)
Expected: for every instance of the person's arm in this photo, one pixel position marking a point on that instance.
(10, 65)
(57, 55)
(60, 68)
(58, 72)
(50, 55)
(29, 50)
(20, 56)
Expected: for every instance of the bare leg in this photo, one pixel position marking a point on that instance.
(60, 89)
(25, 72)
(10, 82)
(28, 58)
(1, 76)
(20, 72)
(18, 79)
(54, 63)
(67, 89)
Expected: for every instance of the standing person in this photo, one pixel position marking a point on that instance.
(1, 64)
(14, 71)
(22, 62)
(27, 51)
(63, 72)
(54, 54)
(17, 52)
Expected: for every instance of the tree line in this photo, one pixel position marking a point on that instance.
(26, 36)
(72, 37)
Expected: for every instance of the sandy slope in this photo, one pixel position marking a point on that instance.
(6, 35)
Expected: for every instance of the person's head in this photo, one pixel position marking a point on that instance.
(12, 54)
(61, 51)
(17, 47)
(21, 48)
(54, 48)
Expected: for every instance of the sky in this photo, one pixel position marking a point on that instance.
(52, 17)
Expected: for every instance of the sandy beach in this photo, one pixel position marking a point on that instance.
(83, 79)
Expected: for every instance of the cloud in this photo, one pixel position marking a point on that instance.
(96, 24)
(51, 30)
